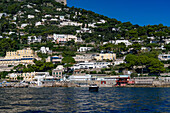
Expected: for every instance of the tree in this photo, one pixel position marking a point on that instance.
(160, 34)
(155, 66)
(68, 60)
(142, 61)
(68, 53)
(136, 47)
(3, 74)
(130, 61)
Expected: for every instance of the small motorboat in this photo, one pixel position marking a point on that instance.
(93, 88)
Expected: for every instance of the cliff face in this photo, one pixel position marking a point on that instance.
(62, 1)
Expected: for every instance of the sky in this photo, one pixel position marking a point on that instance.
(141, 12)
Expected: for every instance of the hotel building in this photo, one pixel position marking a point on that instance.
(25, 56)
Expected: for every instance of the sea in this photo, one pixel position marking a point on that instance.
(78, 100)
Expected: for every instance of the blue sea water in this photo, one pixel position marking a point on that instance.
(113, 100)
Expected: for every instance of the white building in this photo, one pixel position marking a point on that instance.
(31, 16)
(63, 38)
(92, 25)
(45, 50)
(29, 76)
(29, 6)
(80, 77)
(61, 18)
(43, 20)
(54, 59)
(71, 37)
(119, 61)
(84, 49)
(84, 30)
(1, 14)
(167, 41)
(80, 40)
(83, 58)
(152, 38)
(37, 11)
(161, 48)
(33, 39)
(38, 23)
(91, 65)
(47, 16)
(54, 19)
(59, 9)
(126, 42)
(101, 22)
(24, 25)
(40, 76)
(164, 57)
(70, 24)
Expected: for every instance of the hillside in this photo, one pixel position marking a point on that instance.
(18, 20)
(54, 30)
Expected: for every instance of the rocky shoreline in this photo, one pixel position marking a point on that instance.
(74, 85)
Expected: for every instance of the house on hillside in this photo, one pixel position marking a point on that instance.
(34, 39)
(54, 59)
(31, 16)
(58, 72)
(126, 42)
(91, 65)
(63, 38)
(45, 50)
(24, 25)
(105, 56)
(164, 57)
(84, 49)
(2, 14)
(83, 58)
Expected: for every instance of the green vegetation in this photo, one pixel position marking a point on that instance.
(7, 45)
(148, 61)
(13, 37)
(39, 66)
(3, 74)
(42, 55)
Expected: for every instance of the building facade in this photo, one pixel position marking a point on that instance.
(58, 72)
(91, 65)
(25, 56)
(144, 80)
(105, 56)
(28, 77)
(84, 49)
(164, 57)
(63, 38)
(83, 58)
(54, 59)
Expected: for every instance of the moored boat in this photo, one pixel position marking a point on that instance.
(93, 88)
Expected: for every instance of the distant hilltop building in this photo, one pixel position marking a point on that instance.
(62, 1)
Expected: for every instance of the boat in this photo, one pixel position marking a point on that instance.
(93, 88)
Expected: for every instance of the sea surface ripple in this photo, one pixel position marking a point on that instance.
(113, 100)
